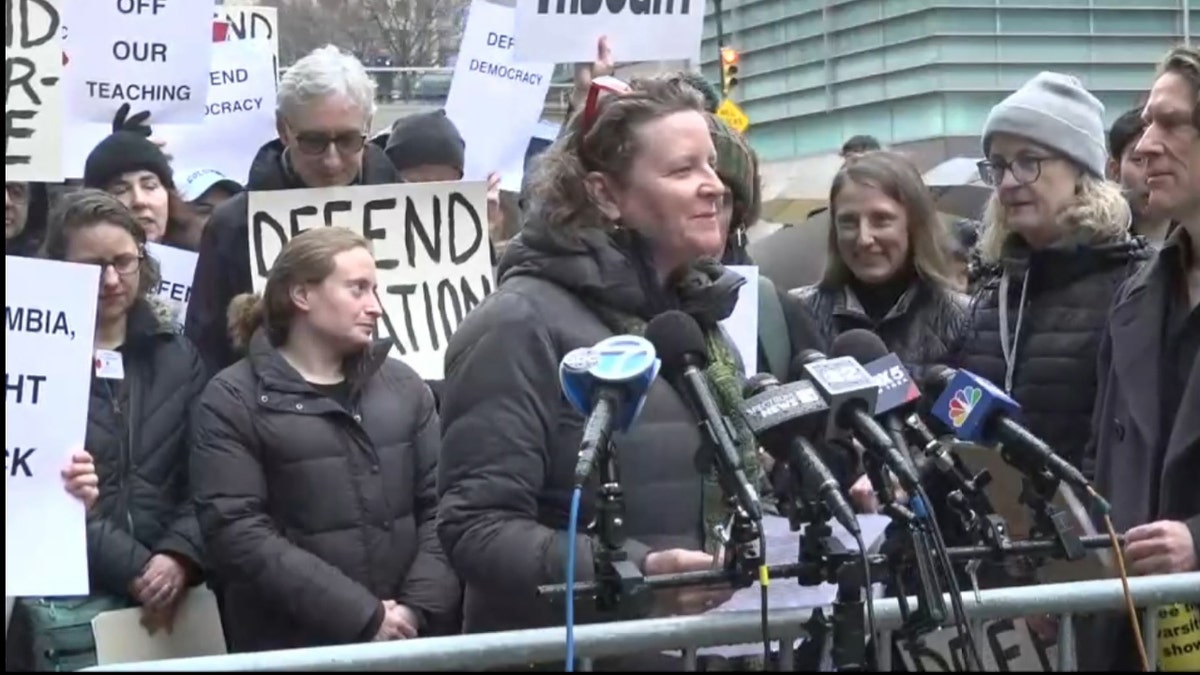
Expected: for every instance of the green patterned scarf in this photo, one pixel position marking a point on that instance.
(723, 374)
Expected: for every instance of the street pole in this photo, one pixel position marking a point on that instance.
(720, 27)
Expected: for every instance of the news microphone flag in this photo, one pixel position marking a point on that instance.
(626, 362)
(842, 382)
(896, 387)
(968, 402)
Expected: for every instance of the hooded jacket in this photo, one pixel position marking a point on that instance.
(223, 266)
(315, 513)
(510, 439)
(138, 434)
(1038, 317)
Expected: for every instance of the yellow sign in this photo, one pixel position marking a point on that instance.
(1179, 638)
(731, 114)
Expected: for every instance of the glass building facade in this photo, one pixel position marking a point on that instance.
(815, 72)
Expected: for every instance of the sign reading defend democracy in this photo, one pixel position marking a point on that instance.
(431, 247)
(50, 317)
(152, 54)
(485, 71)
(32, 92)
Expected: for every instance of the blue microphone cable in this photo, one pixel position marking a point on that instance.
(572, 529)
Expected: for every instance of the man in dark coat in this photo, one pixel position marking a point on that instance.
(1147, 434)
(322, 143)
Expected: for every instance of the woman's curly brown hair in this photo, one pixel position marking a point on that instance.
(557, 193)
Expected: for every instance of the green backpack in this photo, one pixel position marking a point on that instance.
(55, 634)
(773, 337)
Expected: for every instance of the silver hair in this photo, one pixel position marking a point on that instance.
(324, 72)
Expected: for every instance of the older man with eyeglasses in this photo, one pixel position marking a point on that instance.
(324, 107)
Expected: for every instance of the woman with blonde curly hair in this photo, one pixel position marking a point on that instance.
(1056, 247)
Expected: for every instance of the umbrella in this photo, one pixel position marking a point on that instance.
(957, 188)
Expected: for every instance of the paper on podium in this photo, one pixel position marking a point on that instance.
(783, 546)
(1004, 493)
(121, 638)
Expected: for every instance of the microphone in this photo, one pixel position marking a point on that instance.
(780, 415)
(680, 343)
(607, 384)
(979, 412)
(853, 396)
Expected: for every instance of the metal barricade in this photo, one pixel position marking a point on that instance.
(546, 645)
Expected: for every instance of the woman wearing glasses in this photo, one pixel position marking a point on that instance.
(1055, 246)
(143, 542)
(623, 223)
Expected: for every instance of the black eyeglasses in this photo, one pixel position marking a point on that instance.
(316, 143)
(123, 265)
(1025, 169)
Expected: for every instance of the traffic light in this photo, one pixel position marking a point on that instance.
(729, 69)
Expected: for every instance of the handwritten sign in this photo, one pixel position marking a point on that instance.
(430, 242)
(1008, 645)
(33, 108)
(177, 267)
(152, 54)
(566, 31)
(253, 23)
(50, 316)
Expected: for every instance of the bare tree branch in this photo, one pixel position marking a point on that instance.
(412, 32)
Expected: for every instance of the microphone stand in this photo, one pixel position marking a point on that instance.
(908, 545)
(620, 586)
(824, 559)
(1038, 489)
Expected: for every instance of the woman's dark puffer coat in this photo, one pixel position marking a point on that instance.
(1067, 298)
(314, 515)
(138, 436)
(922, 328)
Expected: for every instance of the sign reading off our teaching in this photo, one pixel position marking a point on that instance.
(431, 246)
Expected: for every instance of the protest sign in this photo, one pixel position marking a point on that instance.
(485, 71)
(177, 267)
(247, 22)
(33, 92)
(50, 314)
(742, 324)
(1008, 645)
(431, 248)
(152, 54)
(239, 116)
(566, 31)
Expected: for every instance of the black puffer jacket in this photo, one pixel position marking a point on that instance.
(923, 326)
(314, 515)
(510, 439)
(223, 266)
(1058, 302)
(138, 435)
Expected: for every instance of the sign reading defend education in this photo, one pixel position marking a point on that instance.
(33, 109)
(152, 54)
(431, 247)
(50, 319)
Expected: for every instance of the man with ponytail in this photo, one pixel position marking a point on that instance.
(314, 465)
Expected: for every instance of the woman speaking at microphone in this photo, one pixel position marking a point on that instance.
(623, 223)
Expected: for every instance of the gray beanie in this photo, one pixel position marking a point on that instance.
(1054, 110)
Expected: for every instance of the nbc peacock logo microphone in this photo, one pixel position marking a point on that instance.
(962, 403)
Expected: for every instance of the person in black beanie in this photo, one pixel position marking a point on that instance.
(134, 169)
(428, 148)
